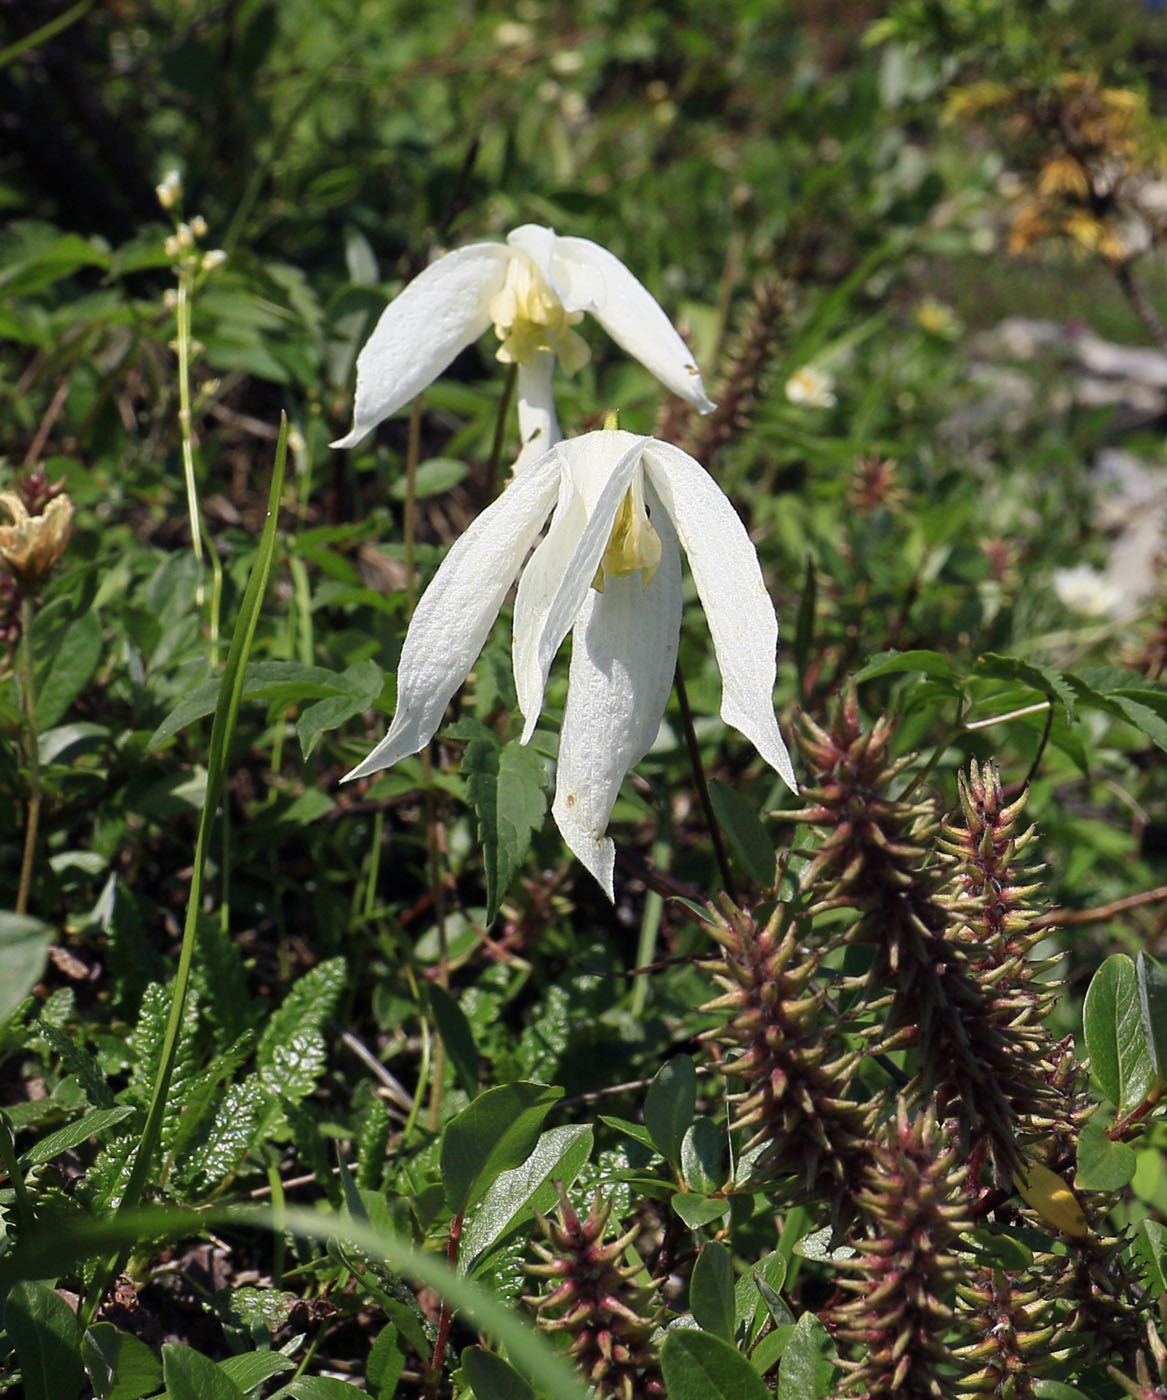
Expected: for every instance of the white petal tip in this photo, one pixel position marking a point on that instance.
(350, 439)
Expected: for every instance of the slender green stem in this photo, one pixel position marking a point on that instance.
(500, 427)
(650, 923)
(32, 751)
(25, 1210)
(706, 801)
(44, 33)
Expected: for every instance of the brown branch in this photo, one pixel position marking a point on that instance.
(1064, 918)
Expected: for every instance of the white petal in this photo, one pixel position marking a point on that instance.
(586, 277)
(623, 656)
(538, 242)
(440, 312)
(601, 466)
(538, 424)
(457, 610)
(732, 591)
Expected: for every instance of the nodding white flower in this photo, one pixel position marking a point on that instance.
(812, 387)
(534, 289)
(608, 570)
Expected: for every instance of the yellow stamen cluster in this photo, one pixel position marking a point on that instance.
(528, 317)
(633, 544)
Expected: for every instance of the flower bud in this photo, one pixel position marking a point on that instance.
(31, 546)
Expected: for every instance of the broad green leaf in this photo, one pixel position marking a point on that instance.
(1152, 982)
(495, 1134)
(24, 946)
(745, 833)
(1044, 679)
(318, 1388)
(699, 1366)
(433, 477)
(120, 1366)
(91, 1125)
(711, 1290)
(704, 1167)
(669, 1106)
(506, 785)
(457, 1037)
(189, 1375)
(491, 1378)
(1112, 1022)
(1103, 1165)
(251, 1368)
(697, 1210)
(1151, 1243)
(386, 1362)
(361, 685)
(44, 1330)
(1058, 1390)
(69, 669)
(1001, 1248)
(931, 663)
(756, 1293)
(636, 1131)
(808, 1370)
(559, 1156)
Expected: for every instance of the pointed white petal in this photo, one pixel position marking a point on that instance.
(457, 610)
(538, 242)
(624, 652)
(732, 591)
(586, 277)
(440, 312)
(538, 424)
(601, 466)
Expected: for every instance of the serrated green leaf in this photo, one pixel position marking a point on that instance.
(745, 833)
(495, 1134)
(119, 1365)
(360, 686)
(1043, 679)
(1150, 1238)
(669, 1106)
(24, 948)
(491, 1378)
(931, 663)
(44, 1330)
(189, 1375)
(1112, 1022)
(1152, 982)
(699, 1366)
(1103, 1165)
(457, 1037)
(711, 1290)
(506, 787)
(808, 1370)
(310, 1002)
(292, 1069)
(559, 1156)
(232, 1134)
(69, 669)
(91, 1125)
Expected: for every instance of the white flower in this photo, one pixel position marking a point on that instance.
(533, 289)
(1085, 591)
(813, 387)
(609, 572)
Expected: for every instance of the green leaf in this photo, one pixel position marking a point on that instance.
(746, 834)
(433, 477)
(91, 1125)
(1043, 679)
(1150, 1238)
(559, 1155)
(506, 787)
(711, 1290)
(457, 1037)
(1112, 1022)
(697, 1210)
(319, 1388)
(495, 1134)
(191, 1376)
(250, 1369)
(73, 662)
(1103, 1165)
(385, 1364)
(119, 1366)
(1058, 1390)
(808, 1369)
(756, 1294)
(24, 946)
(931, 663)
(804, 624)
(699, 1366)
(669, 1106)
(1152, 982)
(703, 1164)
(45, 1332)
(491, 1378)
(308, 1004)
(361, 686)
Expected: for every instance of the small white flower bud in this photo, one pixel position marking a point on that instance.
(213, 258)
(169, 190)
(198, 226)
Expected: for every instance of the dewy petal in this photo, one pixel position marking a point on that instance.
(729, 581)
(439, 313)
(601, 465)
(538, 423)
(623, 656)
(586, 277)
(457, 610)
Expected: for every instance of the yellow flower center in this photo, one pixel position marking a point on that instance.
(633, 544)
(528, 317)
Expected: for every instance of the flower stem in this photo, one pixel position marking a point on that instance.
(32, 749)
(711, 821)
(500, 424)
